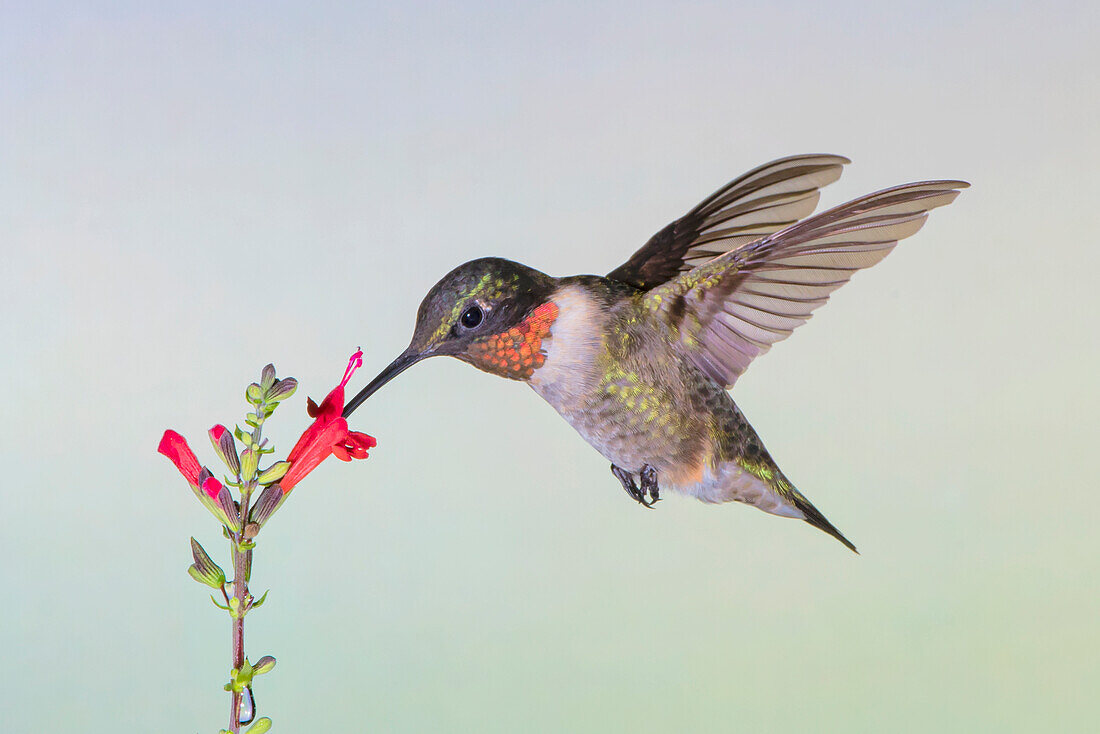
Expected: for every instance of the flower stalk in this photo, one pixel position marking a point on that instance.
(242, 519)
(242, 562)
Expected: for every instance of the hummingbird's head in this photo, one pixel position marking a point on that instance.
(490, 312)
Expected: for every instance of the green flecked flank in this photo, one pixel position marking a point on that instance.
(645, 404)
(759, 470)
(695, 282)
(778, 483)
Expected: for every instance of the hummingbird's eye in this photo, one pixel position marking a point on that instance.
(471, 317)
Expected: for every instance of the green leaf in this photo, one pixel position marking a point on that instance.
(218, 604)
(243, 675)
(256, 604)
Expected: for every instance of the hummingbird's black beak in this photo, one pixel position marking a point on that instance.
(407, 359)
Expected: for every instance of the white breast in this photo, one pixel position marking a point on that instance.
(569, 374)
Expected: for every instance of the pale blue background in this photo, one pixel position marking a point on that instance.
(188, 190)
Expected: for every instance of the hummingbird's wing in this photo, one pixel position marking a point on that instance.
(762, 201)
(734, 307)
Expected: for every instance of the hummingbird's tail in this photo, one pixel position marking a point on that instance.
(811, 514)
(754, 479)
(737, 467)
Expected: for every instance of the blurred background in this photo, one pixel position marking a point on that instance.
(188, 191)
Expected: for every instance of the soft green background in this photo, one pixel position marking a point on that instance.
(188, 190)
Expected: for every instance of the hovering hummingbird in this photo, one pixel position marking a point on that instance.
(639, 361)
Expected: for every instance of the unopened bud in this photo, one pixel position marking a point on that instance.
(225, 447)
(274, 473)
(269, 501)
(254, 394)
(263, 665)
(281, 390)
(262, 726)
(249, 461)
(228, 508)
(267, 376)
(204, 570)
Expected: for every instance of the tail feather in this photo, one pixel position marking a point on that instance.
(813, 516)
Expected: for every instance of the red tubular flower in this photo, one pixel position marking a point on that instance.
(212, 487)
(175, 447)
(328, 435)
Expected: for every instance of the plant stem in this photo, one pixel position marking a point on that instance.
(242, 572)
(242, 563)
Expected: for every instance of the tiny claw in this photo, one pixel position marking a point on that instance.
(648, 476)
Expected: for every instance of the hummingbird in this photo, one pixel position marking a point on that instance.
(640, 361)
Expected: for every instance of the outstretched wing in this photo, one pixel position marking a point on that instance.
(733, 308)
(762, 201)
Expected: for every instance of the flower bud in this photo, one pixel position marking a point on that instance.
(269, 501)
(228, 508)
(262, 726)
(204, 570)
(212, 487)
(267, 376)
(249, 461)
(254, 394)
(281, 390)
(263, 665)
(208, 485)
(274, 472)
(225, 447)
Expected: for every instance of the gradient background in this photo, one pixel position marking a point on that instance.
(164, 167)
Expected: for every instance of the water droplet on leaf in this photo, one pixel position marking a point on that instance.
(247, 712)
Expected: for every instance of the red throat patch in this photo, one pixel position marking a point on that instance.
(516, 353)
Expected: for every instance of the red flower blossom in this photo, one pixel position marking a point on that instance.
(175, 447)
(328, 435)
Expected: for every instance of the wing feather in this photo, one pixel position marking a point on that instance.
(732, 308)
(754, 205)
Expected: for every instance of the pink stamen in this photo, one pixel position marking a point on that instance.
(354, 363)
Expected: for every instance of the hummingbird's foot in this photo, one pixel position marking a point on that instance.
(636, 494)
(648, 476)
